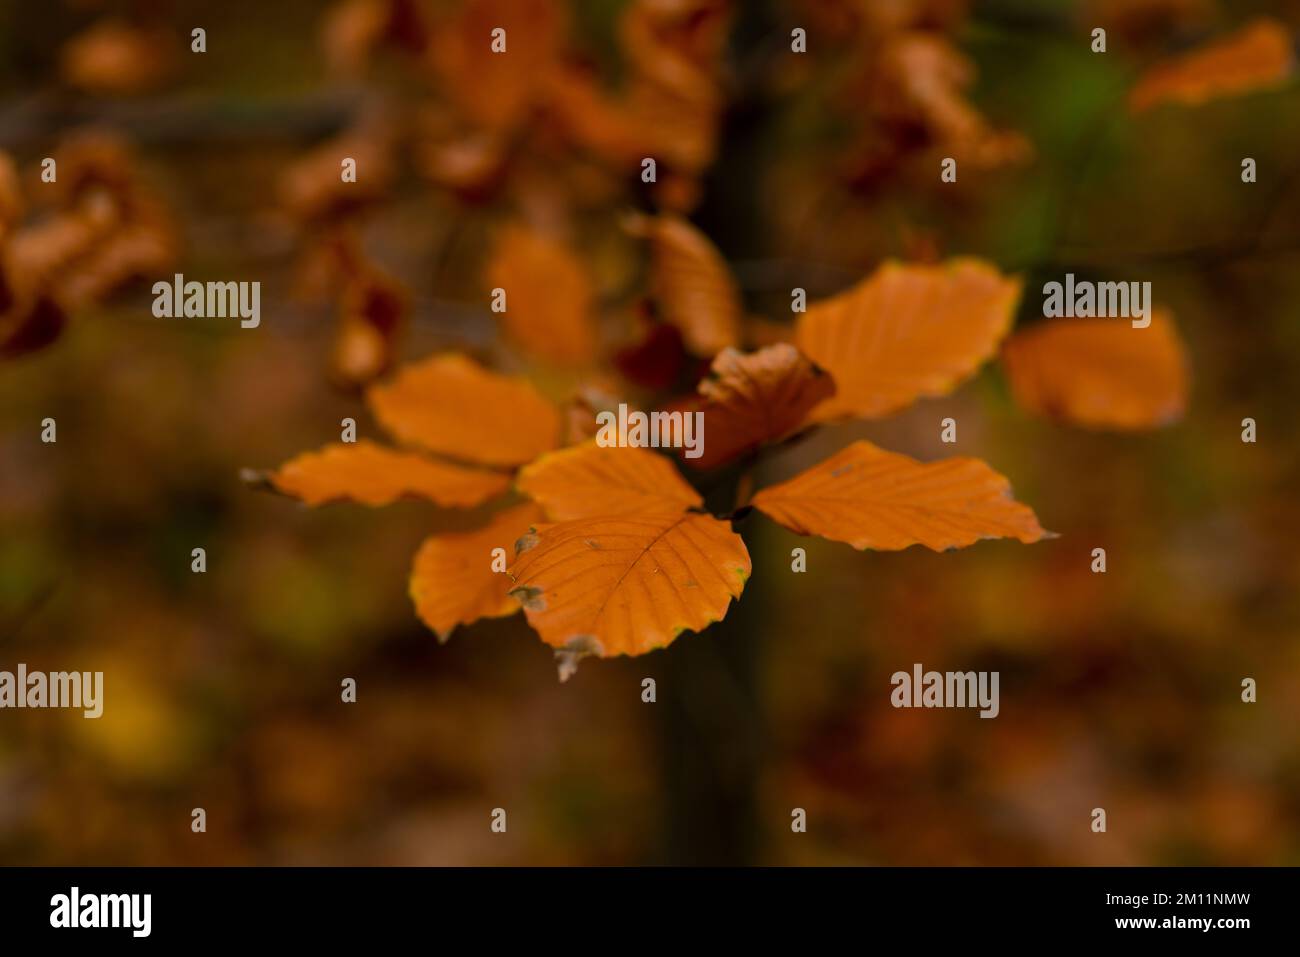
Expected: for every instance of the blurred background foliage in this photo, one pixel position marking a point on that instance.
(1119, 691)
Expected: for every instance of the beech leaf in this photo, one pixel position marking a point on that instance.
(692, 286)
(452, 405)
(1259, 56)
(373, 475)
(452, 580)
(628, 584)
(548, 296)
(906, 332)
(757, 398)
(871, 498)
(589, 480)
(1100, 373)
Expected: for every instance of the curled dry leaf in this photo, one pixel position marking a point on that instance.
(1100, 373)
(906, 332)
(373, 475)
(312, 188)
(871, 498)
(452, 579)
(373, 311)
(452, 405)
(628, 584)
(587, 402)
(756, 398)
(94, 162)
(589, 480)
(1259, 56)
(922, 78)
(139, 249)
(104, 231)
(692, 287)
(42, 253)
(548, 296)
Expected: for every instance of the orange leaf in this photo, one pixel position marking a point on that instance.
(452, 581)
(906, 332)
(497, 89)
(1101, 373)
(692, 286)
(373, 475)
(548, 296)
(1256, 57)
(116, 58)
(626, 585)
(871, 498)
(373, 311)
(757, 398)
(350, 32)
(452, 405)
(11, 194)
(589, 480)
(595, 121)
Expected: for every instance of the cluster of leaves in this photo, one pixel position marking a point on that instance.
(76, 240)
(538, 129)
(615, 553)
(623, 555)
(613, 550)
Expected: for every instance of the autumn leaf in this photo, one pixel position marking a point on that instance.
(921, 77)
(351, 30)
(871, 498)
(372, 312)
(104, 231)
(116, 58)
(496, 89)
(674, 52)
(450, 404)
(906, 332)
(671, 97)
(452, 580)
(625, 585)
(590, 480)
(1259, 56)
(548, 296)
(757, 398)
(1100, 373)
(373, 475)
(11, 194)
(312, 188)
(692, 287)
(593, 120)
